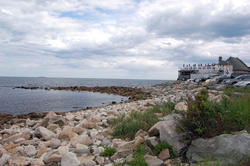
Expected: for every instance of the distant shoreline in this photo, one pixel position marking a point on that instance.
(134, 93)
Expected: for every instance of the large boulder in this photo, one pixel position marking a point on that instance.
(168, 132)
(227, 148)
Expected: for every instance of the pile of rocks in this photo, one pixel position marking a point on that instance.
(75, 138)
(78, 138)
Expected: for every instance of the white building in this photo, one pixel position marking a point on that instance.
(204, 70)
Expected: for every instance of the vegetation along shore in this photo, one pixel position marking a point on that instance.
(174, 123)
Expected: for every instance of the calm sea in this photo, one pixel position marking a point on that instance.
(21, 101)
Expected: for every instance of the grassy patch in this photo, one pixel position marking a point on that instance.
(164, 109)
(138, 158)
(126, 127)
(207, 119)
(161, 146)
(235, 113)
(108, 152)
(230, 90)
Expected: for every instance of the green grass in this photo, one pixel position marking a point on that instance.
(161, 146)
(207, 119)
(235, 113)
(164, 109)
(108, 152)
(138, 157)
(126, 127)
(230, 90)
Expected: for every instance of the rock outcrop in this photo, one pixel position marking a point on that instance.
(167, 130)
(227, 148)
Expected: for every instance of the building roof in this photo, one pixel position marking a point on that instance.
(223, 62)
(237, 64)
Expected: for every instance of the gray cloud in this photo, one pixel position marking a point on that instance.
(119, 39)
(200, 21)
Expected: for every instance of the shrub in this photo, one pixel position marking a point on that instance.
(126, 127)
(202, 118)
(207, 119)
(138, 158)
(161, 146)
(108, 152)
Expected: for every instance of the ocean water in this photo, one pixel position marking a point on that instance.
(22, 101)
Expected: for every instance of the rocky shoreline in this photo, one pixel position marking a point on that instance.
(134, 93)
(79, 138)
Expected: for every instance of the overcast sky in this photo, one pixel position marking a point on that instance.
(145, 39)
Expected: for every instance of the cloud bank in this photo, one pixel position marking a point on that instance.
(146, 39)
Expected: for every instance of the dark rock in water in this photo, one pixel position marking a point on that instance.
(132, 93)
(5, 116)
(113, 102)
(31, 115)
(27, 87)
(226, 148)
(6, 120)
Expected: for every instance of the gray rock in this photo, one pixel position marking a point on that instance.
(164, 154)
(84, 139)
(55, 143)
(80, 151)
(227, 148)
(57, 120)
(69, 159)
(181, 106)
(152, 141)
(44, 133)
(18, 161)
(124, 149)
(30, 150)
(153, 161)
(141, 133)
(155, 130)
(99, 160)
(105, 142)
(51, 157)
(168, 133)
(37, 162)
(4, 159)
(88, 162)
